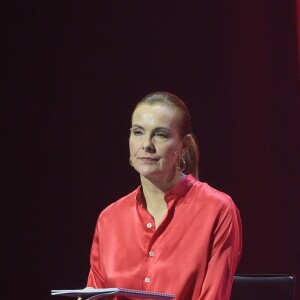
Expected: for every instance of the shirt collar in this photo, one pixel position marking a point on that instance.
(175, 192)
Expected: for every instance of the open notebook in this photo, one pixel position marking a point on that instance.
(94, 294)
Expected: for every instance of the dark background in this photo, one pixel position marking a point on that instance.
(73, 71)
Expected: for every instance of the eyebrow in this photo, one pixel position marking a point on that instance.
(155, 129)
(134, 125)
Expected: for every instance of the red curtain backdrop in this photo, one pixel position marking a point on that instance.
(298, 19)
(73, 72)
(264, 122)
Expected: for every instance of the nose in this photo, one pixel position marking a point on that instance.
(148, 145)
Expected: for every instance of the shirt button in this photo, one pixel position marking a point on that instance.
(147, 279)
(151, 253)
(149, 225)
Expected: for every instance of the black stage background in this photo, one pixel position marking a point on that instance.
(73, 71)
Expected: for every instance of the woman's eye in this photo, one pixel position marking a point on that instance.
(162, 134)
(137, 132)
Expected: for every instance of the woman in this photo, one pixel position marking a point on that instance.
(173, 234)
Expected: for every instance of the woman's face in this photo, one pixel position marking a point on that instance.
(155, 144)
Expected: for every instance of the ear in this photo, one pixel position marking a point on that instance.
(186, 143)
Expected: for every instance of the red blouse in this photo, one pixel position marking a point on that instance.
(193, 253)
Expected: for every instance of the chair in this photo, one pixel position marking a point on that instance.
(263, 287)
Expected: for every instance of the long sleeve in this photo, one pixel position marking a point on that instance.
(95, 278)
(225, 256)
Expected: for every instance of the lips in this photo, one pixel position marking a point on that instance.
(148, 159)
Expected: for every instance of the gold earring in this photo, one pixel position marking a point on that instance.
(181, 164)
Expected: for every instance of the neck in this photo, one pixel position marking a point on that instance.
(160, 186)
(154, 192)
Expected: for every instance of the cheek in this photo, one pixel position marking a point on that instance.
(171, 154)
(174, 152)
(132, 147)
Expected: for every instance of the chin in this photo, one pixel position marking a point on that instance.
(149, 173)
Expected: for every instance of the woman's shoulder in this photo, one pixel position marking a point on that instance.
(211, 194)
(123, 203)
(210, 201)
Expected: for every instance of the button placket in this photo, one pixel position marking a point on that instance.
(149, 225)
(151, 232)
